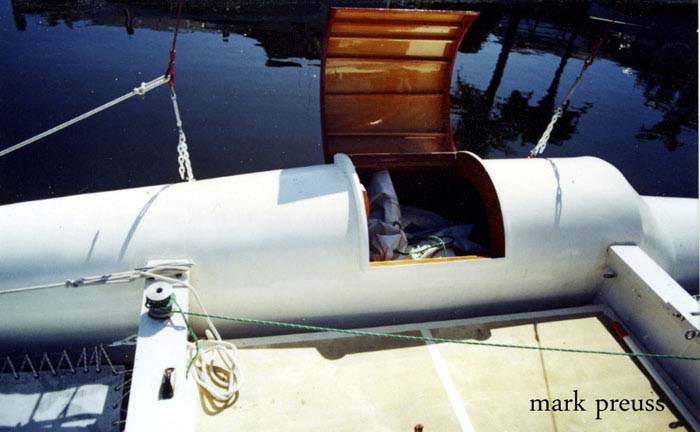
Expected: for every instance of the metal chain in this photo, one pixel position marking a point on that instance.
(183, 155)
(542, 143)
(559, 112)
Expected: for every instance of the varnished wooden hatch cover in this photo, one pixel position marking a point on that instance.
(385, 80)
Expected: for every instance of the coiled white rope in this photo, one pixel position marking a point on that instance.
(222, 387)
(203, 353)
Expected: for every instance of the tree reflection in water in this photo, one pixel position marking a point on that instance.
(657, 48)
(665, 70)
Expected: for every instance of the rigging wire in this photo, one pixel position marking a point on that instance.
(141, 90)
(185, 166)
(559, 111)
(170, 71)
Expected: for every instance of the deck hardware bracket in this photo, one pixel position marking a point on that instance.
(652, 305)
(162, 397)
(609, 274)
(159, 300)
(167, 391)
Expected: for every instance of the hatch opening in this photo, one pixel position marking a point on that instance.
(446, 209)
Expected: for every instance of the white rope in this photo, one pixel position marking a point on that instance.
(222, 387)
(121, 277)
(183, 155)
(141, 90)
(109, 278)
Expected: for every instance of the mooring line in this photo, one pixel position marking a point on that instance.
(313, 328)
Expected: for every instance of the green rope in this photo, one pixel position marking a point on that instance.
(161, 307)
(440, 242)
(433, 339)
(191, 332)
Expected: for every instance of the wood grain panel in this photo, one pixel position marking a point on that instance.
(399, 15)
(385, 80)
(384, 76)
(359, 113)
(385, 47)
(401, 29)
(397, 143)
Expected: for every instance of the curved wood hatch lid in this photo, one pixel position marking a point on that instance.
(385, 80)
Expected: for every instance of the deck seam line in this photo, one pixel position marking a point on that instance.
(448, 384)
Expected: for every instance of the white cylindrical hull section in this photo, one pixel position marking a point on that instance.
(292, 245)
(671, 237)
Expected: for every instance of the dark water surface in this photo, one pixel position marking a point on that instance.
(248, 86)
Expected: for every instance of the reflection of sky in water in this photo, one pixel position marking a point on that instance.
(477, 68)
(242, 116)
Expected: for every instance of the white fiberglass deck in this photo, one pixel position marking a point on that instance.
(322, 382)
